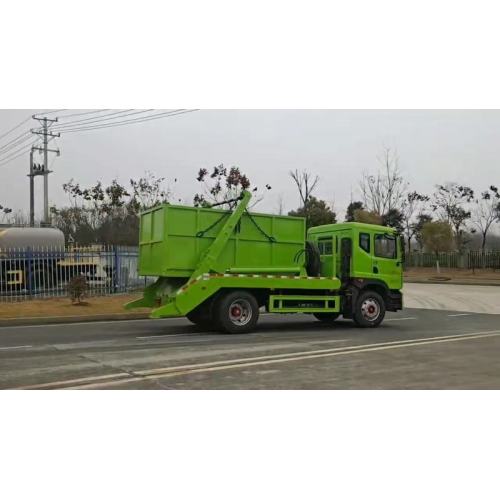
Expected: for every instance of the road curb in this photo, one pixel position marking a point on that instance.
(450, 282)
(52, 320)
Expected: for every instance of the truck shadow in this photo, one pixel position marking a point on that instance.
(264, 327)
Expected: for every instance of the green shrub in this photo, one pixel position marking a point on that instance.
(77, 288)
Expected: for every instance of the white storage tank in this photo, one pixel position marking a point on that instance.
(33, 237)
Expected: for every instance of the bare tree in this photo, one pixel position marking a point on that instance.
(149, 191)
(19, 218)
(486, 212)
(385, 190)
(412, 207)
(280, 208)
(451, 202)
(306, 184)
(108, 214)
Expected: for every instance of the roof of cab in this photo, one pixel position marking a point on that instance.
(329, 228)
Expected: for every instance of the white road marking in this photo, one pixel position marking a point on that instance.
(178, 371)
(192, 341)
(278, 358)
(49, 385)
(321, 351)
(461, 314)
(165, 336)
(114, 321)
(253, 361)
(15, 347)
(321, 341)
(79, 345)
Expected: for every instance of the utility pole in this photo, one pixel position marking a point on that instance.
(34, 171)
(45, 150)
(32, 191)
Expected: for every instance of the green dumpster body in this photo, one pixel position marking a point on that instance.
(196, 252)
(174, 239)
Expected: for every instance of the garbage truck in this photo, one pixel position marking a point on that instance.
(220, 268)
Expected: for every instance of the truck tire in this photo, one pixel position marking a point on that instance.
(369, 310)
(236, 312)
(326, 317)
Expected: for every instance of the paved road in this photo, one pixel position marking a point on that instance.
(466, 298)
(417, 348)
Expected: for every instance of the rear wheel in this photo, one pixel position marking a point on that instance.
(236, 312)
(370, 310)
(326, 317)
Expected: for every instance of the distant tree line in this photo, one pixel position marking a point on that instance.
(453, 214)
(108, 214)
(452, 217)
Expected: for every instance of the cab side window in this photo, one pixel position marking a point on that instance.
(385, 246)
(325, 247)
(364, 242)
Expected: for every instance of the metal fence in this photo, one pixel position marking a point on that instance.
(474, 259)
(46, 272)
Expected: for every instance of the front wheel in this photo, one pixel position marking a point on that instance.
(237, 312)
(370, 310)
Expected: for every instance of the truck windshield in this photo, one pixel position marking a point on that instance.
(385, 246)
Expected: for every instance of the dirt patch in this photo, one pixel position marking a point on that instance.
(63, 307)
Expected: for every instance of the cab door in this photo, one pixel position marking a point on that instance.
(364, 255)
(387, 261)
(326, 247)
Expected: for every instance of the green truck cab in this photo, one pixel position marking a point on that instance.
(219, 268)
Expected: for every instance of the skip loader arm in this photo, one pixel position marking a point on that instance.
(209, 260)
(157, 294)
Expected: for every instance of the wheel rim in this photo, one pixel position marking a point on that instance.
(240, 312)
(370, 309)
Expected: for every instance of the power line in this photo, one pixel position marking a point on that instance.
(14, 152)
(22, 123)
(14, 128)
(50, 111)
(16, 139)
(20, 154)
(129, 122)
(132, 121)
(97, 119)
(15, 145)
(102, 118)
(8, 160)
(86, 113)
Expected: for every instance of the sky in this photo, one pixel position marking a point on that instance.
(434, 146)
